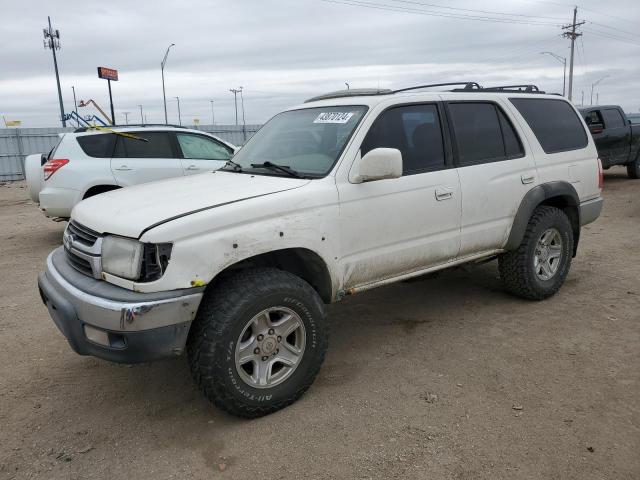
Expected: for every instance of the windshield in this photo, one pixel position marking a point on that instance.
(307, 141)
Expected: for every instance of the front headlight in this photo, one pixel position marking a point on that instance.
(122, 257)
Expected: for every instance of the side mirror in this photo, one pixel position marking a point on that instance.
(596, 128)
(377, 164)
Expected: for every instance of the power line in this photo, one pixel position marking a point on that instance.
(611, 37)
(608, 15)
(395, 8)
(476, 11)
(616, 29)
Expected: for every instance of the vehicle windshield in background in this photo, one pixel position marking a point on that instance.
(306, 141)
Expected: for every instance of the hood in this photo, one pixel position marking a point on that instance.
(129, 211)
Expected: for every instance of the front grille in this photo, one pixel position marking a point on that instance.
(82, 234)
(83, 247)
(78, 263)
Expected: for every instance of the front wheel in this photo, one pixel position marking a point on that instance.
(258, 341)
(538, 267)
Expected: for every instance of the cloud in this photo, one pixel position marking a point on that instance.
(284, 51)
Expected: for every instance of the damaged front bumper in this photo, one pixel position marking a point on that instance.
(110, 322)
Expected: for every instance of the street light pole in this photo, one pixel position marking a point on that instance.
(594, 84)
(235, 100)
(164, 97)
(213, 118)
(179, 117)
(348, 88)
(52, 41)
(126, 118)
(562, 60)
(141, 116)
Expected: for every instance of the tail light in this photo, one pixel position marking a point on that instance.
(600, 175)
(52, 166)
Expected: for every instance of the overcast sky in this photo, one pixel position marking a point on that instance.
(284, 51)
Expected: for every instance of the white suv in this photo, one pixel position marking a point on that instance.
(345, 193)
(96, 160)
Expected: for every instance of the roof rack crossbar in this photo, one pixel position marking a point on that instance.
(526, 88)
(468, 86)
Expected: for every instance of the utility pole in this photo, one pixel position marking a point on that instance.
(244, 124)
(164, 97)
(52, 41)
(179, 116)
(126, 118)
(141, 116)
(595, 84)
(582, 101)
(572, 35)
(213, 117)
(235, 92)
(597, 99)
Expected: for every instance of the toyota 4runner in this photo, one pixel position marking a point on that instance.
(347, 192)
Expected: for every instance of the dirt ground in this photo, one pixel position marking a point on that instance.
(440, 378)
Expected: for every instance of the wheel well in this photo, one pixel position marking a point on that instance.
(98, 189)
(567, 205)
(301, 262)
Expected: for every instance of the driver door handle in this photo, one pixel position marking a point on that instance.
(123, 168)
(192, 167)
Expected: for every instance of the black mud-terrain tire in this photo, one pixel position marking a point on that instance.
(517, 267)
(225, 310)
(633, 168)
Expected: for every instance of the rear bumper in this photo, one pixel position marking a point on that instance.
(113, 323)
(58, 202)
(590, 210)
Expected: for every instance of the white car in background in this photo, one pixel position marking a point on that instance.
(92, 161)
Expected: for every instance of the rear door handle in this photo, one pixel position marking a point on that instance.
(123, 168)
(192, 167)
(527, 178)
(444, 193)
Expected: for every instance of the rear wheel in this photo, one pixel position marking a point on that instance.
(539, 266)
(258, 341)
(633, 168)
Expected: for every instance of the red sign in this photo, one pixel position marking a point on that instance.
(108, 73)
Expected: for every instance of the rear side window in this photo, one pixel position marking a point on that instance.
(153, 145)
(197, 146)
(612, 118)
(555, 123)
(415, 131)
(593, 118)
(98, 146)
(483, 133)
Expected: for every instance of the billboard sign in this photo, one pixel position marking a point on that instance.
(108, 73)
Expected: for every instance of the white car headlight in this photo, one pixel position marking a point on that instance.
(122, 257)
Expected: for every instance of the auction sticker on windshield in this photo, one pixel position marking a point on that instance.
(333, 117)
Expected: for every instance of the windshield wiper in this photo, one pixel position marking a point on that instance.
(236, 166)
(274, 166)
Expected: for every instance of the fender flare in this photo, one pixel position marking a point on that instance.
(536, 196)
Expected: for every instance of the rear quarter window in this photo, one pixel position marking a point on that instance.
(97, 146)
(555, 123)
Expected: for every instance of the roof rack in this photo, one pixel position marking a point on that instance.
(137, 125)
(468, 86)
(353, 92)
(462, 87)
